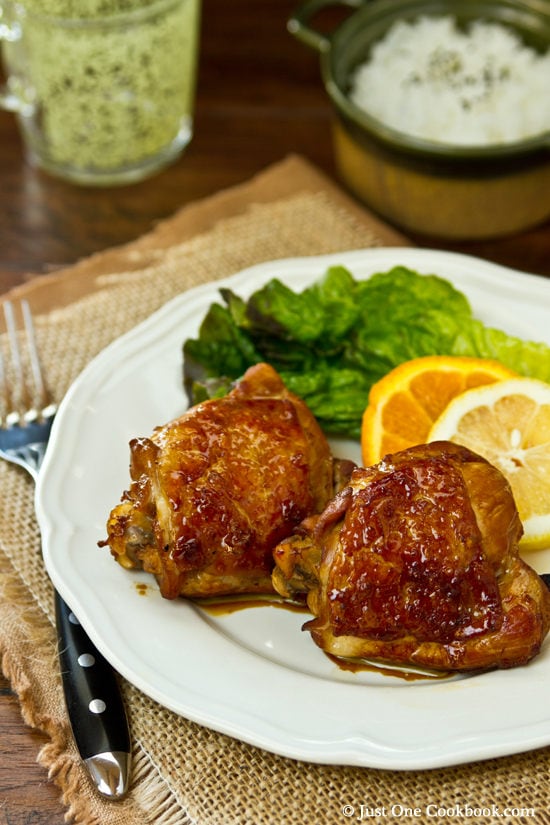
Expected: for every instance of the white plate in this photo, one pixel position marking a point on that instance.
(254, 674)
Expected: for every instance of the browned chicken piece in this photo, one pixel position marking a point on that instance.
(416, 562)
(214, 491)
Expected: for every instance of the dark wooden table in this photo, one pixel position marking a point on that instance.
(260, 98)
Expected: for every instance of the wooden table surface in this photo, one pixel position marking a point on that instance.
(260, 97)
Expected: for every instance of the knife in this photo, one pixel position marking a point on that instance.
(94, 705)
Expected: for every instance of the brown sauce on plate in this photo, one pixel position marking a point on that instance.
(225, 605)
(360, 666)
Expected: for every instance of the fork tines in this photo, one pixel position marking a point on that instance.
(24, 394)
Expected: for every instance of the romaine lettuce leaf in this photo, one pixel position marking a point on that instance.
(529, 358)
(335, 339)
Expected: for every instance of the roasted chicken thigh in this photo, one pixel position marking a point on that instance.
(214, 491)
(416, 562)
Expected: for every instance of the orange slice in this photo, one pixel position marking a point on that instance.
(405, 403)
(509, 424)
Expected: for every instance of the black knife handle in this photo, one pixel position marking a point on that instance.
(92, 694)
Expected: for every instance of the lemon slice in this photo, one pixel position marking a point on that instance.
(508, 423)
(404, 404)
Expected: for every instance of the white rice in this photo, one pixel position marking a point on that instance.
(429, 79)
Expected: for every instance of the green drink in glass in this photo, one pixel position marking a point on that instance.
(104, 93)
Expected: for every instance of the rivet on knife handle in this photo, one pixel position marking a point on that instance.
(95, 707)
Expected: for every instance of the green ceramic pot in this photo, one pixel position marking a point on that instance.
(458, 192)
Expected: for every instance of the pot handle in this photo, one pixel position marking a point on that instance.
(298, 23)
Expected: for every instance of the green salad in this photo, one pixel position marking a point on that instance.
(332, 341)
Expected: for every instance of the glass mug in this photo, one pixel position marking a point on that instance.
(103, 89)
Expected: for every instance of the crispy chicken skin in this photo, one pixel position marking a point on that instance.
(416, 562)
(214, 491)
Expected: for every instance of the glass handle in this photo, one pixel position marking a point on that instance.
(10, 33)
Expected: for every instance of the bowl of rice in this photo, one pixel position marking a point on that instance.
(442, 110)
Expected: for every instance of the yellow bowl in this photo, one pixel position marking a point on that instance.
(449, 191)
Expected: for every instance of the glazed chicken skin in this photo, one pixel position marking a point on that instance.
(214, 491)
(416, 562)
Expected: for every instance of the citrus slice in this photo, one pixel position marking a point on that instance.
(508, 423)
(405, 403)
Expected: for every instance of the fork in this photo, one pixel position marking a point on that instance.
(92, 695)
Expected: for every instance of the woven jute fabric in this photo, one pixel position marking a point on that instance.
(182, 772)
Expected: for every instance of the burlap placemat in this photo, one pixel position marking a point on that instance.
(184, 773)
